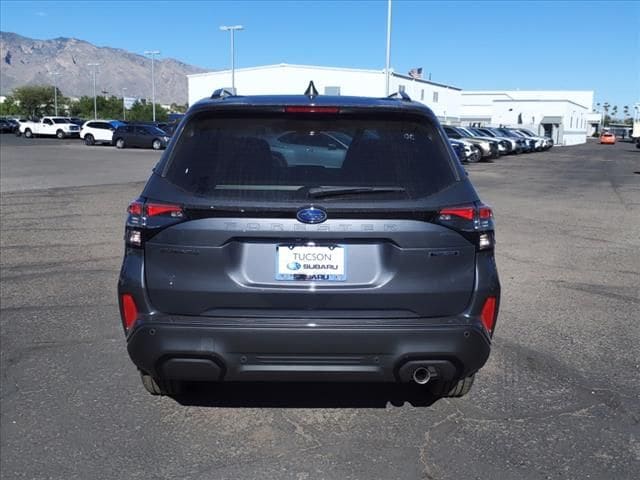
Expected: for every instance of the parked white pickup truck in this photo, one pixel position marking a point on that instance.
(60, 127)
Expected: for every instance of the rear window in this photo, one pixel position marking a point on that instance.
(283, 157)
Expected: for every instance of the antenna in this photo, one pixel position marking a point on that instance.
(222, 93)
(403, 95)
(311, 91)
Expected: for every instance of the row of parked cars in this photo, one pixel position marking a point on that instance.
(471, 144)
(474, 144)
(121, 134)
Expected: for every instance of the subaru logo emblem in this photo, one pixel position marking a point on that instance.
(311, 215)
(294, 266)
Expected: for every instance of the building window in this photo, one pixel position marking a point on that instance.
(401, 88)
(332, 90)
(422, 94)
(435, 97)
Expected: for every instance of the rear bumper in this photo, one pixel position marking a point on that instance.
(263, 350)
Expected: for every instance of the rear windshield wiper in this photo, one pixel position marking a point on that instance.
(323, 192)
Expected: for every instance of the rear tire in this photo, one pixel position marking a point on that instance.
(475, 158)
(120, 143)
(60, 134)
(89, 140)
(454, 389)
(28, 133)
(156, 386)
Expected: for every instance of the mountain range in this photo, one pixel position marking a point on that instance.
(27, 61)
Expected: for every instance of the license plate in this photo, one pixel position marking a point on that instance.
(310, 262)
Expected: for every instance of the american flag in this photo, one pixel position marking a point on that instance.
(415, 72)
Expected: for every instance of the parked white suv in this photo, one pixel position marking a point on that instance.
(99, 131)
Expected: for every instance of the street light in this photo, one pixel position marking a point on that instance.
(55, 90)
(95, 101)
(124, 108)
(386, 70)
(232, 29)
(153, 54)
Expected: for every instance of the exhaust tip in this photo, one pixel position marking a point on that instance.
(421, 375)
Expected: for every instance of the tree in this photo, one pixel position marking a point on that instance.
(107, 107)
(10, 107)
(607, 118)
(37, 100)
(141, 111)
(176, 108)
(626, 111)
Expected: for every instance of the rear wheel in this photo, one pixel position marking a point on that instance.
(120, 143)
(28, 133)
(156, 386)
(60, 134)
(475, 157)
(156, 145)
(89, 140)
(454, 389)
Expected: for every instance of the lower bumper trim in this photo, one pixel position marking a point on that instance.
(210, 353)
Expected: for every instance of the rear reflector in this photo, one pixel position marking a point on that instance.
(311, 109)
(129, 310)
(488, 314)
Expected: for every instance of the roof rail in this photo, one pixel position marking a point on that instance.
(222, 93)
(400, 96)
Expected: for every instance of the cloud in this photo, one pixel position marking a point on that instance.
(41, 14)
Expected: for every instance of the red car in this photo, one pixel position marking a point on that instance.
(608, 138)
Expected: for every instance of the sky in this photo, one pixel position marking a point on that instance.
(476, 45)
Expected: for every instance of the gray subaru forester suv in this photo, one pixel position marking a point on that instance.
(309, 238)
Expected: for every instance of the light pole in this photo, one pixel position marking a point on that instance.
(388, 64)
(124, 107)
(232, 29)
(153, 54)
(55, 90)
(95, 100)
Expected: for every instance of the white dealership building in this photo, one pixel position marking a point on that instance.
(566, 116)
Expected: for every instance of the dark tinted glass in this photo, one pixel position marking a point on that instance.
(154, 131)
(281, 157)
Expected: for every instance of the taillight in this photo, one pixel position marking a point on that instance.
(129, 310)
(488, 314)
(141, 209)
(462, 212)
(154, 209)
(136, 208)
(474, 222)
(146, 219)
(310, 109)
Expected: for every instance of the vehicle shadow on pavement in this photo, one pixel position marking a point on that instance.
(304, 395)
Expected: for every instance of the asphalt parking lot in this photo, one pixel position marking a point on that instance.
(559, 398)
